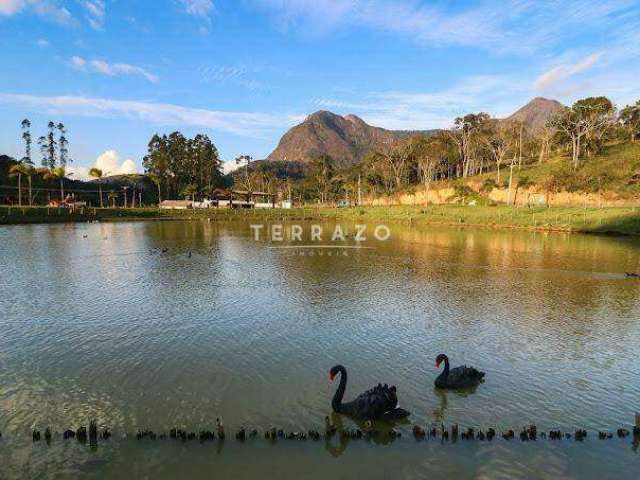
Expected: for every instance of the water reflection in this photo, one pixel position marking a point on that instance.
(110, 327)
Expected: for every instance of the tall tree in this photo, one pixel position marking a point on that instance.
(97, 173)
(544, 136)
(52, 156)
(155, 178)
(26, 137)
(179, 161)
(30, 171)
(585, 121)
(497, 143)
(630, 120)
(323, 170)
(44, 155)
(464, 134)
(63, 146)
(18, 170)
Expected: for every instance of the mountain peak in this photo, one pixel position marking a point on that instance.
(537, 112)
(321, 115)
(347, 139)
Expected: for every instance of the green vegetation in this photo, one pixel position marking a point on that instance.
(622, 221)
(183, 166)
(615, 169)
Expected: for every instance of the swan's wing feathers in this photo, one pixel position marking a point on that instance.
(473, 372)
(464, 375)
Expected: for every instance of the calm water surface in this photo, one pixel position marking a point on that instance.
(96, 322)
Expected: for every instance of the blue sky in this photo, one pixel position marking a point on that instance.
(244, 71)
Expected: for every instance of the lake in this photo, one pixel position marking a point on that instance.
(96, 321)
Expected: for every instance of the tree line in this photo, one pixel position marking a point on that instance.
(181, 166)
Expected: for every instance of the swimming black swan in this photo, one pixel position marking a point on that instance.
(459, 377)
(380, 402)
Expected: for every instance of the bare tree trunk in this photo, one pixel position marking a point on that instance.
(520, 147)
(510, 181)
(541, 155)
(19, 189)
(30, 193)
(100, 189)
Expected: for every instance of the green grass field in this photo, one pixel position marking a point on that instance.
(610, 220)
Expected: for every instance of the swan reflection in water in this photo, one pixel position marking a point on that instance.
(440, 412)
(379, 432)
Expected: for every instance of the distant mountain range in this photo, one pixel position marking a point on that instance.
(348, 139)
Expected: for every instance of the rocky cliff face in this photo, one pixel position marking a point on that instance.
(347, 139)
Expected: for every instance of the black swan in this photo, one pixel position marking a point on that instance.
(459, 377)
(380, 402)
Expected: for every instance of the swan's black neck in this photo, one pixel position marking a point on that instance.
(446, 366)
(336, 403)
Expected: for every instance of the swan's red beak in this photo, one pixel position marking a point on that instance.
(332, 376)
(437, 364)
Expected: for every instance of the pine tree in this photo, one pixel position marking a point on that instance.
(26, 136)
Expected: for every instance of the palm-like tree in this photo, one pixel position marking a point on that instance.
(97, 173)
(30, 172)
(112, 196)
(189, 191)
(18, 170)
(58, 173)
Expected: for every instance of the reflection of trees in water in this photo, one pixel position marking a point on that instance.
(480, 260)
(551, 280)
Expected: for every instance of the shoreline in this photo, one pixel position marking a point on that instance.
(623, 221)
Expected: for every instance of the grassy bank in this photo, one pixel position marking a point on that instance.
(624, 220)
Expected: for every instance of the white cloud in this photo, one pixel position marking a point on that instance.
(241, 123)
(50, 10)
(111, 69)
(42, 43)
(95, 12)
(10, 7)
(397, 110)
(110, 164)
(515, 26)
(47, 9)
(561, 73)
(199, 8)
(228, 167)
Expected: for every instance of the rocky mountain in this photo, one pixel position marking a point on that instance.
(347, 139)
(536, 113)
